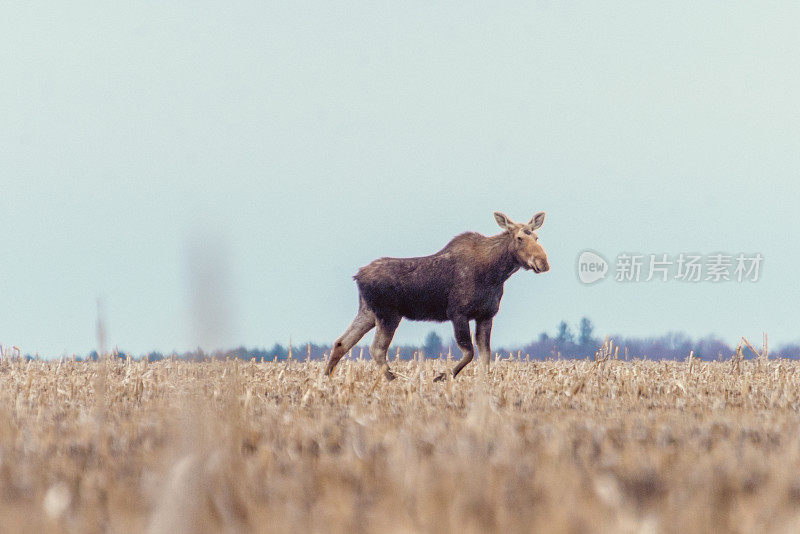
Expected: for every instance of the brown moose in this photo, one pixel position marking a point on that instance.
(462, 282)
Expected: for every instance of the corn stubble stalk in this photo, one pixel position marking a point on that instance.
(602, 445)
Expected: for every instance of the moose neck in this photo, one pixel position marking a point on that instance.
(499, 263)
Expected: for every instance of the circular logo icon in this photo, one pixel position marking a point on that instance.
(592, 267)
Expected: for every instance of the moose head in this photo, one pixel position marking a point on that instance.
(524, 243)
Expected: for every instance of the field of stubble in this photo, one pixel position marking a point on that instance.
(555, 446)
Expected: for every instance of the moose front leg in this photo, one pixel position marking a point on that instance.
(464, 341)
(483, 332)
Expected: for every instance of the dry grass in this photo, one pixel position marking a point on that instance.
(557, 446)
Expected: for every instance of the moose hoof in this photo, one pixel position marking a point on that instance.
(440, 377)
(389, 376)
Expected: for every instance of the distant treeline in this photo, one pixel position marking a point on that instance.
(564, 343)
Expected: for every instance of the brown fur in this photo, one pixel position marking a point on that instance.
(462, 282)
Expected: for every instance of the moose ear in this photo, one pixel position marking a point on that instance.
(503, 221)
(537, 221)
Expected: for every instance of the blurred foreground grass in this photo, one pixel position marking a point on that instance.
(554, 446)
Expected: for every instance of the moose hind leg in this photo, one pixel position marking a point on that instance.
(464, 342)
(363, 323)
(383, 338)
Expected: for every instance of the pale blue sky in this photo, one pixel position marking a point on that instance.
(285, 145)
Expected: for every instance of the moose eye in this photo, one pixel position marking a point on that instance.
(527, 232)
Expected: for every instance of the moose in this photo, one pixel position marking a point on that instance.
(460, 283)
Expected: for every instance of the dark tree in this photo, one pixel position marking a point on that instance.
(279, 352)
(585, 332)
(433, 345)
(544, 338)
(564, 334)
